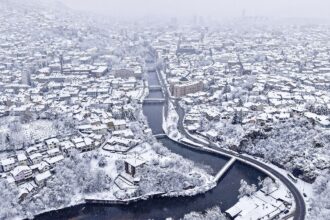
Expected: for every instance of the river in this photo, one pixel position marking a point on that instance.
(223, 195)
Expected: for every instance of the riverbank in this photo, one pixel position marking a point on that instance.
(171, 126)
(225, 193)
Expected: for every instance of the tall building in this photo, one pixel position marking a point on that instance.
(61, 63)
(126, 73)
(181, 88)
(26, 77)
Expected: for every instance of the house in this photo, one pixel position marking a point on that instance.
(99, 129)
(22, 159)
(8, 164)
(40, 167)
(41, 178)
(122, 141)
(31, 150)
(127, 133)
(322, 120)
(119, 144)
(119, 124)
(54, 152)
(100, 71)
(212, 135)
(132, 165)
(53, 160)
(21, 173)
(83, 144)
(66, 146)
(52, 143)
(89, 144)
(97, 137)
(85, 128)
(25, 189)
(35, 158)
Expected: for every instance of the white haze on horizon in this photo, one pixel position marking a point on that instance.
(208, 8)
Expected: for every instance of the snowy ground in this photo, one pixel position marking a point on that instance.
(39, 130)
(147, 152)
(170, 124)
(302, 186)
(257, 206)
(282, 190)
(26, 133)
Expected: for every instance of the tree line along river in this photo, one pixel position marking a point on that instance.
(223, 195)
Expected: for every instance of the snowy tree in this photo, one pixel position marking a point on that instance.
(268, 185)
(226, 89)
(160, 149)
(246, 189)
(238, 117)
(290, 144)
(102, 162)
(210, 214)
(15, 126)
(74, 177)
(204, 124)
(10, 206)
(320, 203)
(96, 182)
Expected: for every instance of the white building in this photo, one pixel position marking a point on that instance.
(42, 177)
(8, 164)
(52, 143)
(21, 173)
(35, 158)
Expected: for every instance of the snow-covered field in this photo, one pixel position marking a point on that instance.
(13, 134)
(39, 130)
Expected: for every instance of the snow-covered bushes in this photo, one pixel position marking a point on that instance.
(320, 205)
(72, 179)
(173, 176)
(16, 135)
(246, 189)
(292, 144)
(296, 144)
(9, 204)
(210, 214)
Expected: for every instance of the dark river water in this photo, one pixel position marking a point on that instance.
(223, 195)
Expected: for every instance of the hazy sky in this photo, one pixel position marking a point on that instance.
(225, 8)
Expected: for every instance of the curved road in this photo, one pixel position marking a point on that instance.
(300, 209)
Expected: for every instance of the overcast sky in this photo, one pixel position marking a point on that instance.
(220, 8)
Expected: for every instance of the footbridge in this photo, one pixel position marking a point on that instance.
(155, 88)
(224, 169)
(153, 100)
(160, 136)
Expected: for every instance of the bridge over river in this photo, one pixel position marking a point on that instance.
(228, 171)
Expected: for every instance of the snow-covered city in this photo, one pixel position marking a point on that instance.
(105, 117)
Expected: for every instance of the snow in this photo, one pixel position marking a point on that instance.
(135, 162)
(257, 206)
(302, 186)
(8, 161)
(19, 169)
(170, 124)
(39, 130)
(188, 141)
(43, 176)
(197, 137)
(55, 159)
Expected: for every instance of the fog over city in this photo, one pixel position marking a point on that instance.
(165, 109)
(213, 8)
